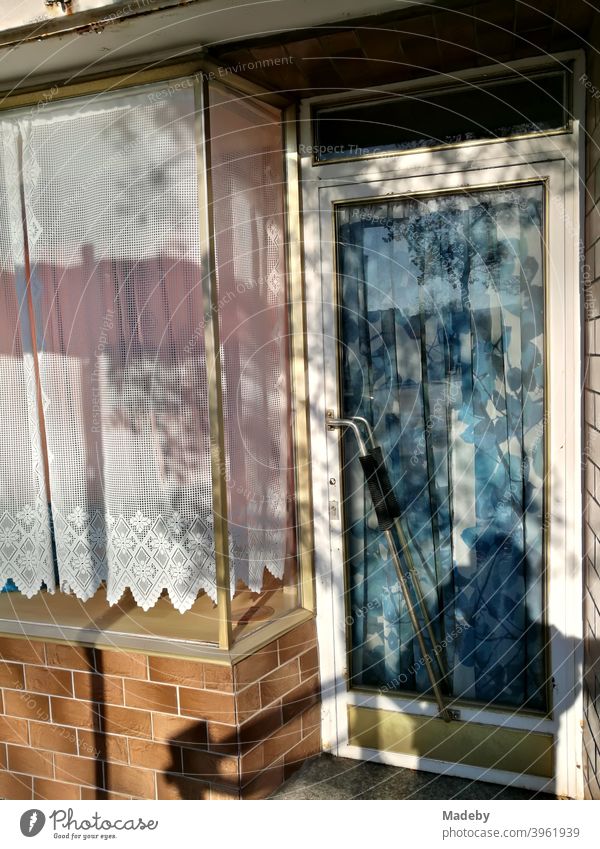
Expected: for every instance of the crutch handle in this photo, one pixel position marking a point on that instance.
(386, 506)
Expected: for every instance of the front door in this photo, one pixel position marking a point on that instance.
(445, 327)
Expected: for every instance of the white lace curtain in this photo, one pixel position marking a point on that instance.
(105, 215)
(25, 541)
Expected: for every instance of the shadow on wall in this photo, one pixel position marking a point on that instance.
(239, 749)
(191, 765)
(196, 769)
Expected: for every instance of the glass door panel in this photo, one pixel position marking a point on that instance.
(441, 325)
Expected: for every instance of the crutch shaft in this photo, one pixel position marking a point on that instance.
(417, 629)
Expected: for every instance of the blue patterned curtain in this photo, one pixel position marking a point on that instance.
(442, 313)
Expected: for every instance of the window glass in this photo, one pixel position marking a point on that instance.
(248, 197)
(442, 331)
(482, 110)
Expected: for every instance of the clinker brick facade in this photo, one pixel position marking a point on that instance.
(83, 723)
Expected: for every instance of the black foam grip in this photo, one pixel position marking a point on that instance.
(384, 501)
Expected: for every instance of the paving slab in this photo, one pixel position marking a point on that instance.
(328, 777)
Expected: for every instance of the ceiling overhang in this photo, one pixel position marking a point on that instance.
(91, 36)
(300, 47)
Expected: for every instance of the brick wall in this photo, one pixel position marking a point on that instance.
(591, 732)
(82, 723)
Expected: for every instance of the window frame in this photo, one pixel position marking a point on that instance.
(438, 84)
(437, 94)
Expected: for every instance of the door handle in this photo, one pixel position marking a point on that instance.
(351, 422)
(371, 459)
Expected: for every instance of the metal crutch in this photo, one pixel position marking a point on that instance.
(387, 511)
(410, 563)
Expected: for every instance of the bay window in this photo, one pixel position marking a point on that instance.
(107, 436)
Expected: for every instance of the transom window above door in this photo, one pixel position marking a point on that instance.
(480, 110)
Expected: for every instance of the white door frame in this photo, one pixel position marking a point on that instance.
(557, 160)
